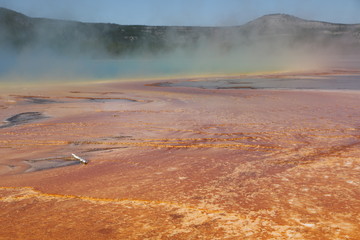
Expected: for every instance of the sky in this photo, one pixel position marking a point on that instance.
(186, 12)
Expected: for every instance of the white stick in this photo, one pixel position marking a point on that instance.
(80, 159)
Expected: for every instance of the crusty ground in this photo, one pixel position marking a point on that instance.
(180, 163)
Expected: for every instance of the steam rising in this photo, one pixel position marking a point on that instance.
(69, 50)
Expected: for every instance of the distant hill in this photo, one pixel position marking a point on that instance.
(20, 32)
(302, 29)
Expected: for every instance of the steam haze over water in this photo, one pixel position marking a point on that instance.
(271, 43)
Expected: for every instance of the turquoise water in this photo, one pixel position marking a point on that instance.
(93, 69)
(49, 67)
(45, 65)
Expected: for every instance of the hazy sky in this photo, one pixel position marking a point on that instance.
(186, 12)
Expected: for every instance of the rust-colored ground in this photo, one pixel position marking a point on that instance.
(180, 163)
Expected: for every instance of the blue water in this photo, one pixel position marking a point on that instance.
(32, 67)
(48, 66)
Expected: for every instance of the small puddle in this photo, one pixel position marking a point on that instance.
(22, 118)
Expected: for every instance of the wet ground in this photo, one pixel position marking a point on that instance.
(338, 82)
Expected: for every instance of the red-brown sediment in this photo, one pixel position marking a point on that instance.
(181, 163)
